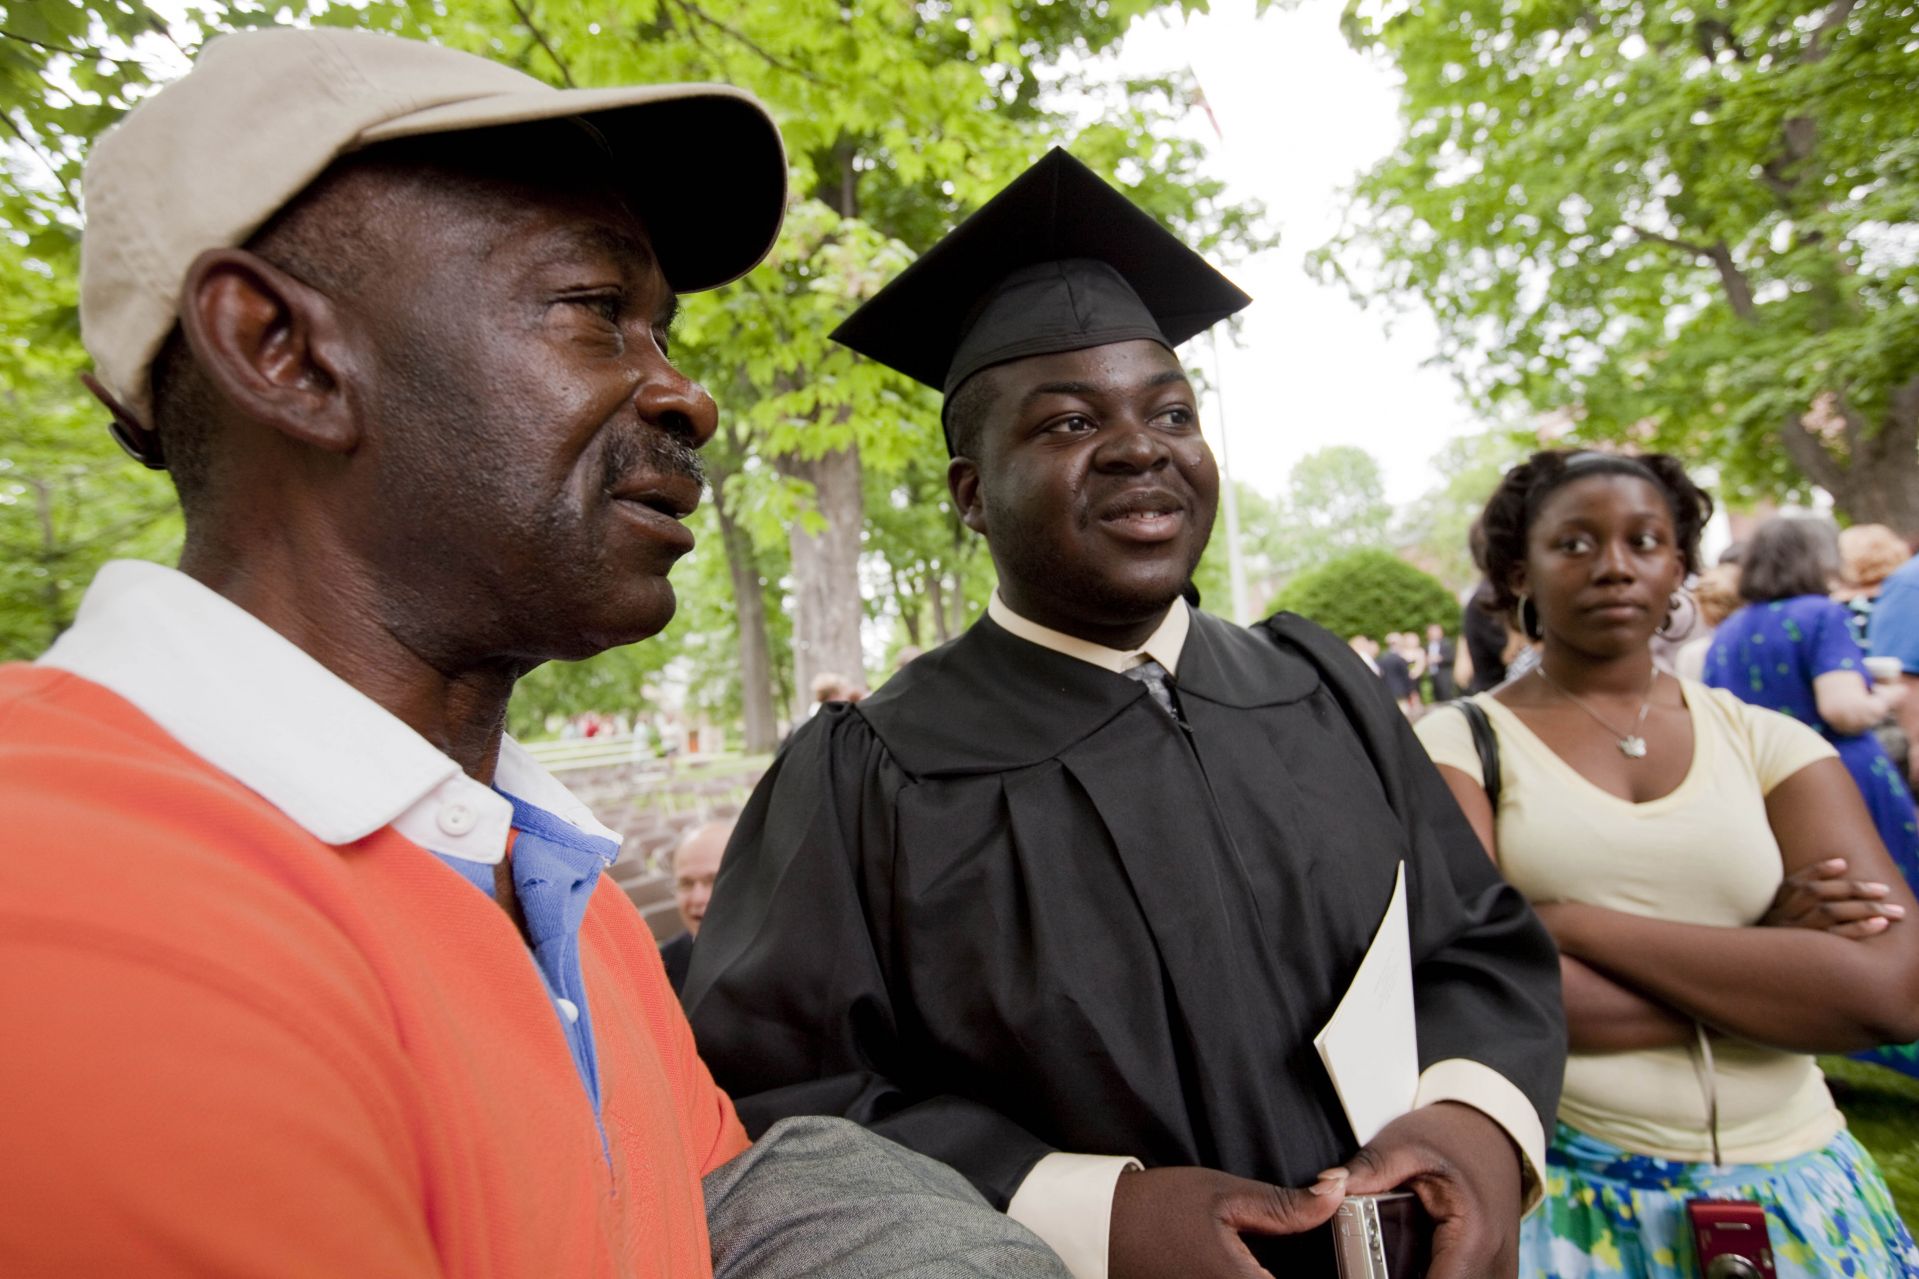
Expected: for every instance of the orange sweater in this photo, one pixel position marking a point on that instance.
(227, 1048)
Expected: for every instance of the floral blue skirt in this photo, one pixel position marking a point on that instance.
(1609, 1214)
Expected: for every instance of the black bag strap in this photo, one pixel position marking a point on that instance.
(1486, 742)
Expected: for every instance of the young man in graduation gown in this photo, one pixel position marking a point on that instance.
(1079, 888)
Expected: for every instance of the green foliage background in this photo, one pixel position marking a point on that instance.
(1882, 1111)
(898, 118)
(1370, 592)
(1686, 224)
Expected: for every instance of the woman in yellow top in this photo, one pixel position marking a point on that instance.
(1669, 835)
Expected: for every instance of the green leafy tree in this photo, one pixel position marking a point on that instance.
(747, 563)
(937, 572)
(69, 499)
(898, 119)
(1687, 224)
(1335, 502)
(617, 681)
(1263, 549)
(1369, 592)
(1433, 528)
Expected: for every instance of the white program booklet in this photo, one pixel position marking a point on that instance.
(1371, 1047)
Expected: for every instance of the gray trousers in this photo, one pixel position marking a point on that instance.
(825, 1197)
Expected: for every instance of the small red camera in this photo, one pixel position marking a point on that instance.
(1730, 1239)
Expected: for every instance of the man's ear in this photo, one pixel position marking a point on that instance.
(962, 481)
(271, 346)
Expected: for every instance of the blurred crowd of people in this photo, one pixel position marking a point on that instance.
(1418, 672)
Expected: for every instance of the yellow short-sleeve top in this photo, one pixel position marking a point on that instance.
(1703, 854)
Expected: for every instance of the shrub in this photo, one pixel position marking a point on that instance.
(1372, 593)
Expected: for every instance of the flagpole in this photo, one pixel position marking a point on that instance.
(1235, 563)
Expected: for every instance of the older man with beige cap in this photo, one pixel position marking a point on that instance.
(305, 967)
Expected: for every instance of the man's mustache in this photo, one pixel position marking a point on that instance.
(652, 451)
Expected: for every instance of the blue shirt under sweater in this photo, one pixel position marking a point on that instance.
(555, 868)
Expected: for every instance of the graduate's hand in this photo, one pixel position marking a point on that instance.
(1465, 1170)
(1184, 1223)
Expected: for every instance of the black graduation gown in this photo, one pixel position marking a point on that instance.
(1007, 906)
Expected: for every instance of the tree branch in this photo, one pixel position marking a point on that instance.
(165, 32)
(1687, 246)
(1853, 425)
(526, 19)
(1902, 417)
(1738, 287)
(88, 52)
(1816, 48)
(692, 10)
(66, 190)
(1711, 34)
(1801, 132)
(692, 32)
(1810, 456)
(1771, 173)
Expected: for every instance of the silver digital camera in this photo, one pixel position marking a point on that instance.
(1382, 1237)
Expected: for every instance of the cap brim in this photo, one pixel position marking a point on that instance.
(1055, 211)
(720, 195)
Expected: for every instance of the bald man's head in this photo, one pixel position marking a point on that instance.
(695, 862)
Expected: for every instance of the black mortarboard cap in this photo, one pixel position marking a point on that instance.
(1058, 261)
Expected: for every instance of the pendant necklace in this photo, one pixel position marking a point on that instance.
(1632, 745)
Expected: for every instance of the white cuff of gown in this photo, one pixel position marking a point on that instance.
(1067, 1200)
(1499, 1099)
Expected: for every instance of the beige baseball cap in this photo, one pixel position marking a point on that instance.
(205, 162)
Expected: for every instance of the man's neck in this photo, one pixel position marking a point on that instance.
(458, 707)
(1122, 635)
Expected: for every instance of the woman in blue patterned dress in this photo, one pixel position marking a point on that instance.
(1791, 649)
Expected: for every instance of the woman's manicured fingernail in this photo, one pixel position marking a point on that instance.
(1893, 910)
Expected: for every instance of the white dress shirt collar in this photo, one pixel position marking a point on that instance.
(1162, 646)
(253, 704)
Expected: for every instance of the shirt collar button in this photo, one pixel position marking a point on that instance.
(457, 818)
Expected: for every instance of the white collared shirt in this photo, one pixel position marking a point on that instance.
(253, 704)
(1164, 645)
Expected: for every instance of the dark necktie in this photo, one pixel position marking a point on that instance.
(1153, 675)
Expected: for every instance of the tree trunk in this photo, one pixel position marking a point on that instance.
(1876, 479)
(909, 607)
(953, 619)
(827, 611)
(961, 617)
(749, 606)
(936, 600)
(49, 558)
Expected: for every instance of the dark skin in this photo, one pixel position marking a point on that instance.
(472, 463)
(1096, 493)
(1101, 493)
(1826, 970)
